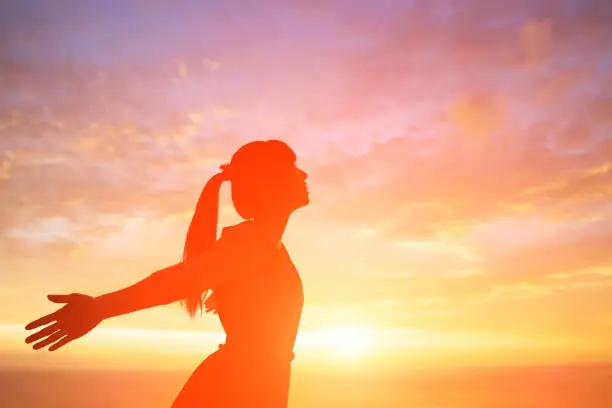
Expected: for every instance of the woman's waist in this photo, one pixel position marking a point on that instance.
(263, 331)
(260, 353)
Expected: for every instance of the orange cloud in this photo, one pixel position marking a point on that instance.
(521, 291)
(5, 170)
(478, 115)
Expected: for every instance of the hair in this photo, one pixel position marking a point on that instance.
(250, 171)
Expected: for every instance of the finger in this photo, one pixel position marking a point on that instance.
(42, 321)
(63, 341)
(60, 298)
(52, 338)
(42, 333)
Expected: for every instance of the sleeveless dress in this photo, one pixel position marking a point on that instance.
(259, 306)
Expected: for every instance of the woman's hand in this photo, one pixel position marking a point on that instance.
(75, 319)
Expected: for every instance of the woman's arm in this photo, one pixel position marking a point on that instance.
(161, 287)
(164, 286)
(81, 313)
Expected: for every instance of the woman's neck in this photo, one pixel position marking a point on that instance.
(272, 227)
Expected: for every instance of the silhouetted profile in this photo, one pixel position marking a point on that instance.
(246, 277)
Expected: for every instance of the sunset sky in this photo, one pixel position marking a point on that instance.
(459, 157)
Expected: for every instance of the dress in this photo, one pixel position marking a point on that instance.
(260, 306)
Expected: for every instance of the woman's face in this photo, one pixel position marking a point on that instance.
(283, 190)
(292, 190)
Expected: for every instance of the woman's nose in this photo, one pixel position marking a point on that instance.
(303, 174)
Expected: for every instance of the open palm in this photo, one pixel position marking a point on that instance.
(75, 319)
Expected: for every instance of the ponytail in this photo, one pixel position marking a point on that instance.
(201, 235)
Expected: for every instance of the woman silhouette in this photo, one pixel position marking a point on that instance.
(246, 277)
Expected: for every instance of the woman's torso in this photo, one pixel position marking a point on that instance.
(260, 306)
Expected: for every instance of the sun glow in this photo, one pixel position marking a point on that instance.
(346, 340)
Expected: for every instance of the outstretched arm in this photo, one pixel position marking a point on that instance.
(165, 286)
(82, 313)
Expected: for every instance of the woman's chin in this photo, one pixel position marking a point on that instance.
(303, 202)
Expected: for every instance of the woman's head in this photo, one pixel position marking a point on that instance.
(265, 180)
(265, 184)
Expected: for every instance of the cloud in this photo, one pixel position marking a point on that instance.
(601, 111)
(211, 65)
(565, 283)
(586, 248)
(5, 170)
(433, 185)
(550, 90)
(431, 300)
(387, 303)
(478, 115)
(536, 42)
(24, 157)
(45, 230)
(520, 291)
(182, 69)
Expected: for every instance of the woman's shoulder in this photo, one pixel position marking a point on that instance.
(239, 237)
(241, 246)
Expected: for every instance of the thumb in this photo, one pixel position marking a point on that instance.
(60, 298)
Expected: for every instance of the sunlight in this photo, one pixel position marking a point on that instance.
(347, 340)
